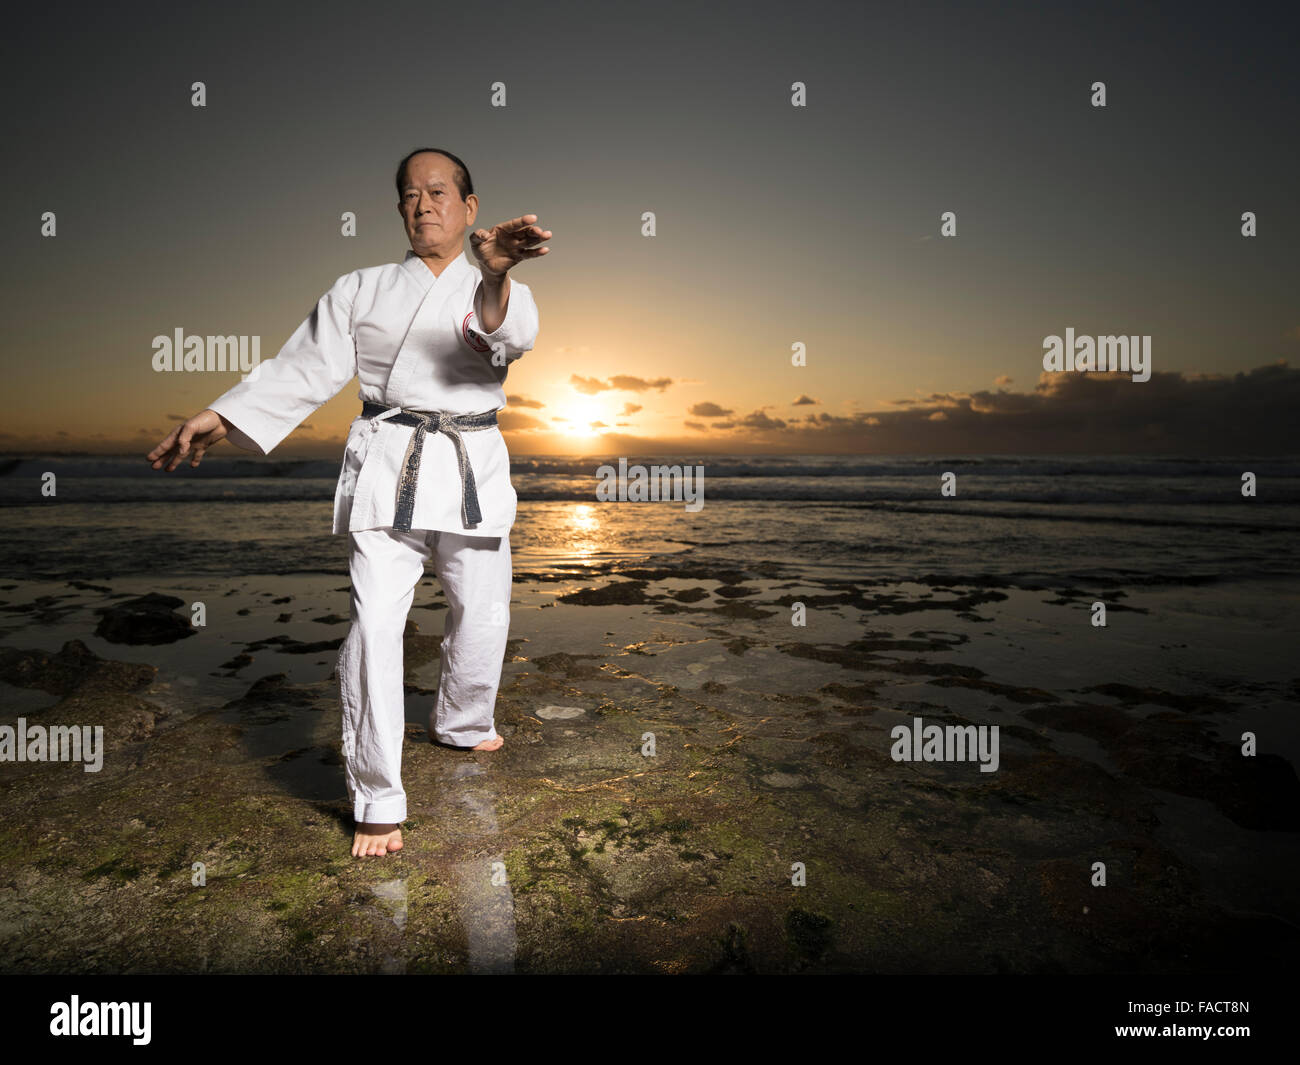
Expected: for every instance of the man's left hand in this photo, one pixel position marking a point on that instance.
(503, 246)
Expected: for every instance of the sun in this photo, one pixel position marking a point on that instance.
(581, 411)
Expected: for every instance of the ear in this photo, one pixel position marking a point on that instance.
(471, 209)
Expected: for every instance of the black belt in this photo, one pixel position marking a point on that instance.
(451, 425)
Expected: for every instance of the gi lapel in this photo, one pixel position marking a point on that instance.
(419, 333)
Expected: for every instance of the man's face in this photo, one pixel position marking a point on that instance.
(435, 216)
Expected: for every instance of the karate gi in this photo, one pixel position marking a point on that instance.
(414, 341)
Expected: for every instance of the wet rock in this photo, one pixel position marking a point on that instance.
(95, 692)
(1130, 696)
(735, 591)
(620, 593)
(46, 609)
(560, 713)
(850, 693)
(745, 611)
(897, 604)
(289, 646)
(1182, 755)
(860, 655)
(73, 667)
(419, 651)
(273, 690)
(147, 619)
(1047, 778)
(1007, 691)
(567, 664)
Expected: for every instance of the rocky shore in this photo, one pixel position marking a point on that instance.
(690, 782)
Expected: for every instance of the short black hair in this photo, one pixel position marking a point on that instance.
(463, 181)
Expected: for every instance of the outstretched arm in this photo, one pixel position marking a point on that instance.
(194, 435)
(260, 411)
(497, 250)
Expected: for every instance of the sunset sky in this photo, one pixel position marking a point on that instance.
(776, 224)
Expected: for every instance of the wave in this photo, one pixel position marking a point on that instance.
(1123, 481)
(816, 467)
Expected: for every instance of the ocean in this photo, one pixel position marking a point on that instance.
(1096, 520)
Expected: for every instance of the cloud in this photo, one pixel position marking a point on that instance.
(754, 420)
(588, 386)
(708, 410)
(619, 383)
(638, 384)
(826, 418)
(1249, 413)
(631, 408)
(804, 401)
(1001, 402)
(759, 420)
(1002, 380)
(599, 425)
(520, 401)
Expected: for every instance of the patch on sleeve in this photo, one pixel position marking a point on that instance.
(472, 336)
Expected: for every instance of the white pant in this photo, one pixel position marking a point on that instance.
(386, 566)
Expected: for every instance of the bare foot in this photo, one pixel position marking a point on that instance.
(486, 745)
(373, 839)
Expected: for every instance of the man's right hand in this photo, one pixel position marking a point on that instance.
(197, 434)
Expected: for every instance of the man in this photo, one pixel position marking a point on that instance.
(425, 470)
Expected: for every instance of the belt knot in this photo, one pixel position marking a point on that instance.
(452, 425)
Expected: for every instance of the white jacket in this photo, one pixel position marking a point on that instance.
(413, 339)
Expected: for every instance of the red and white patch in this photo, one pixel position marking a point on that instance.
(471, 336)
